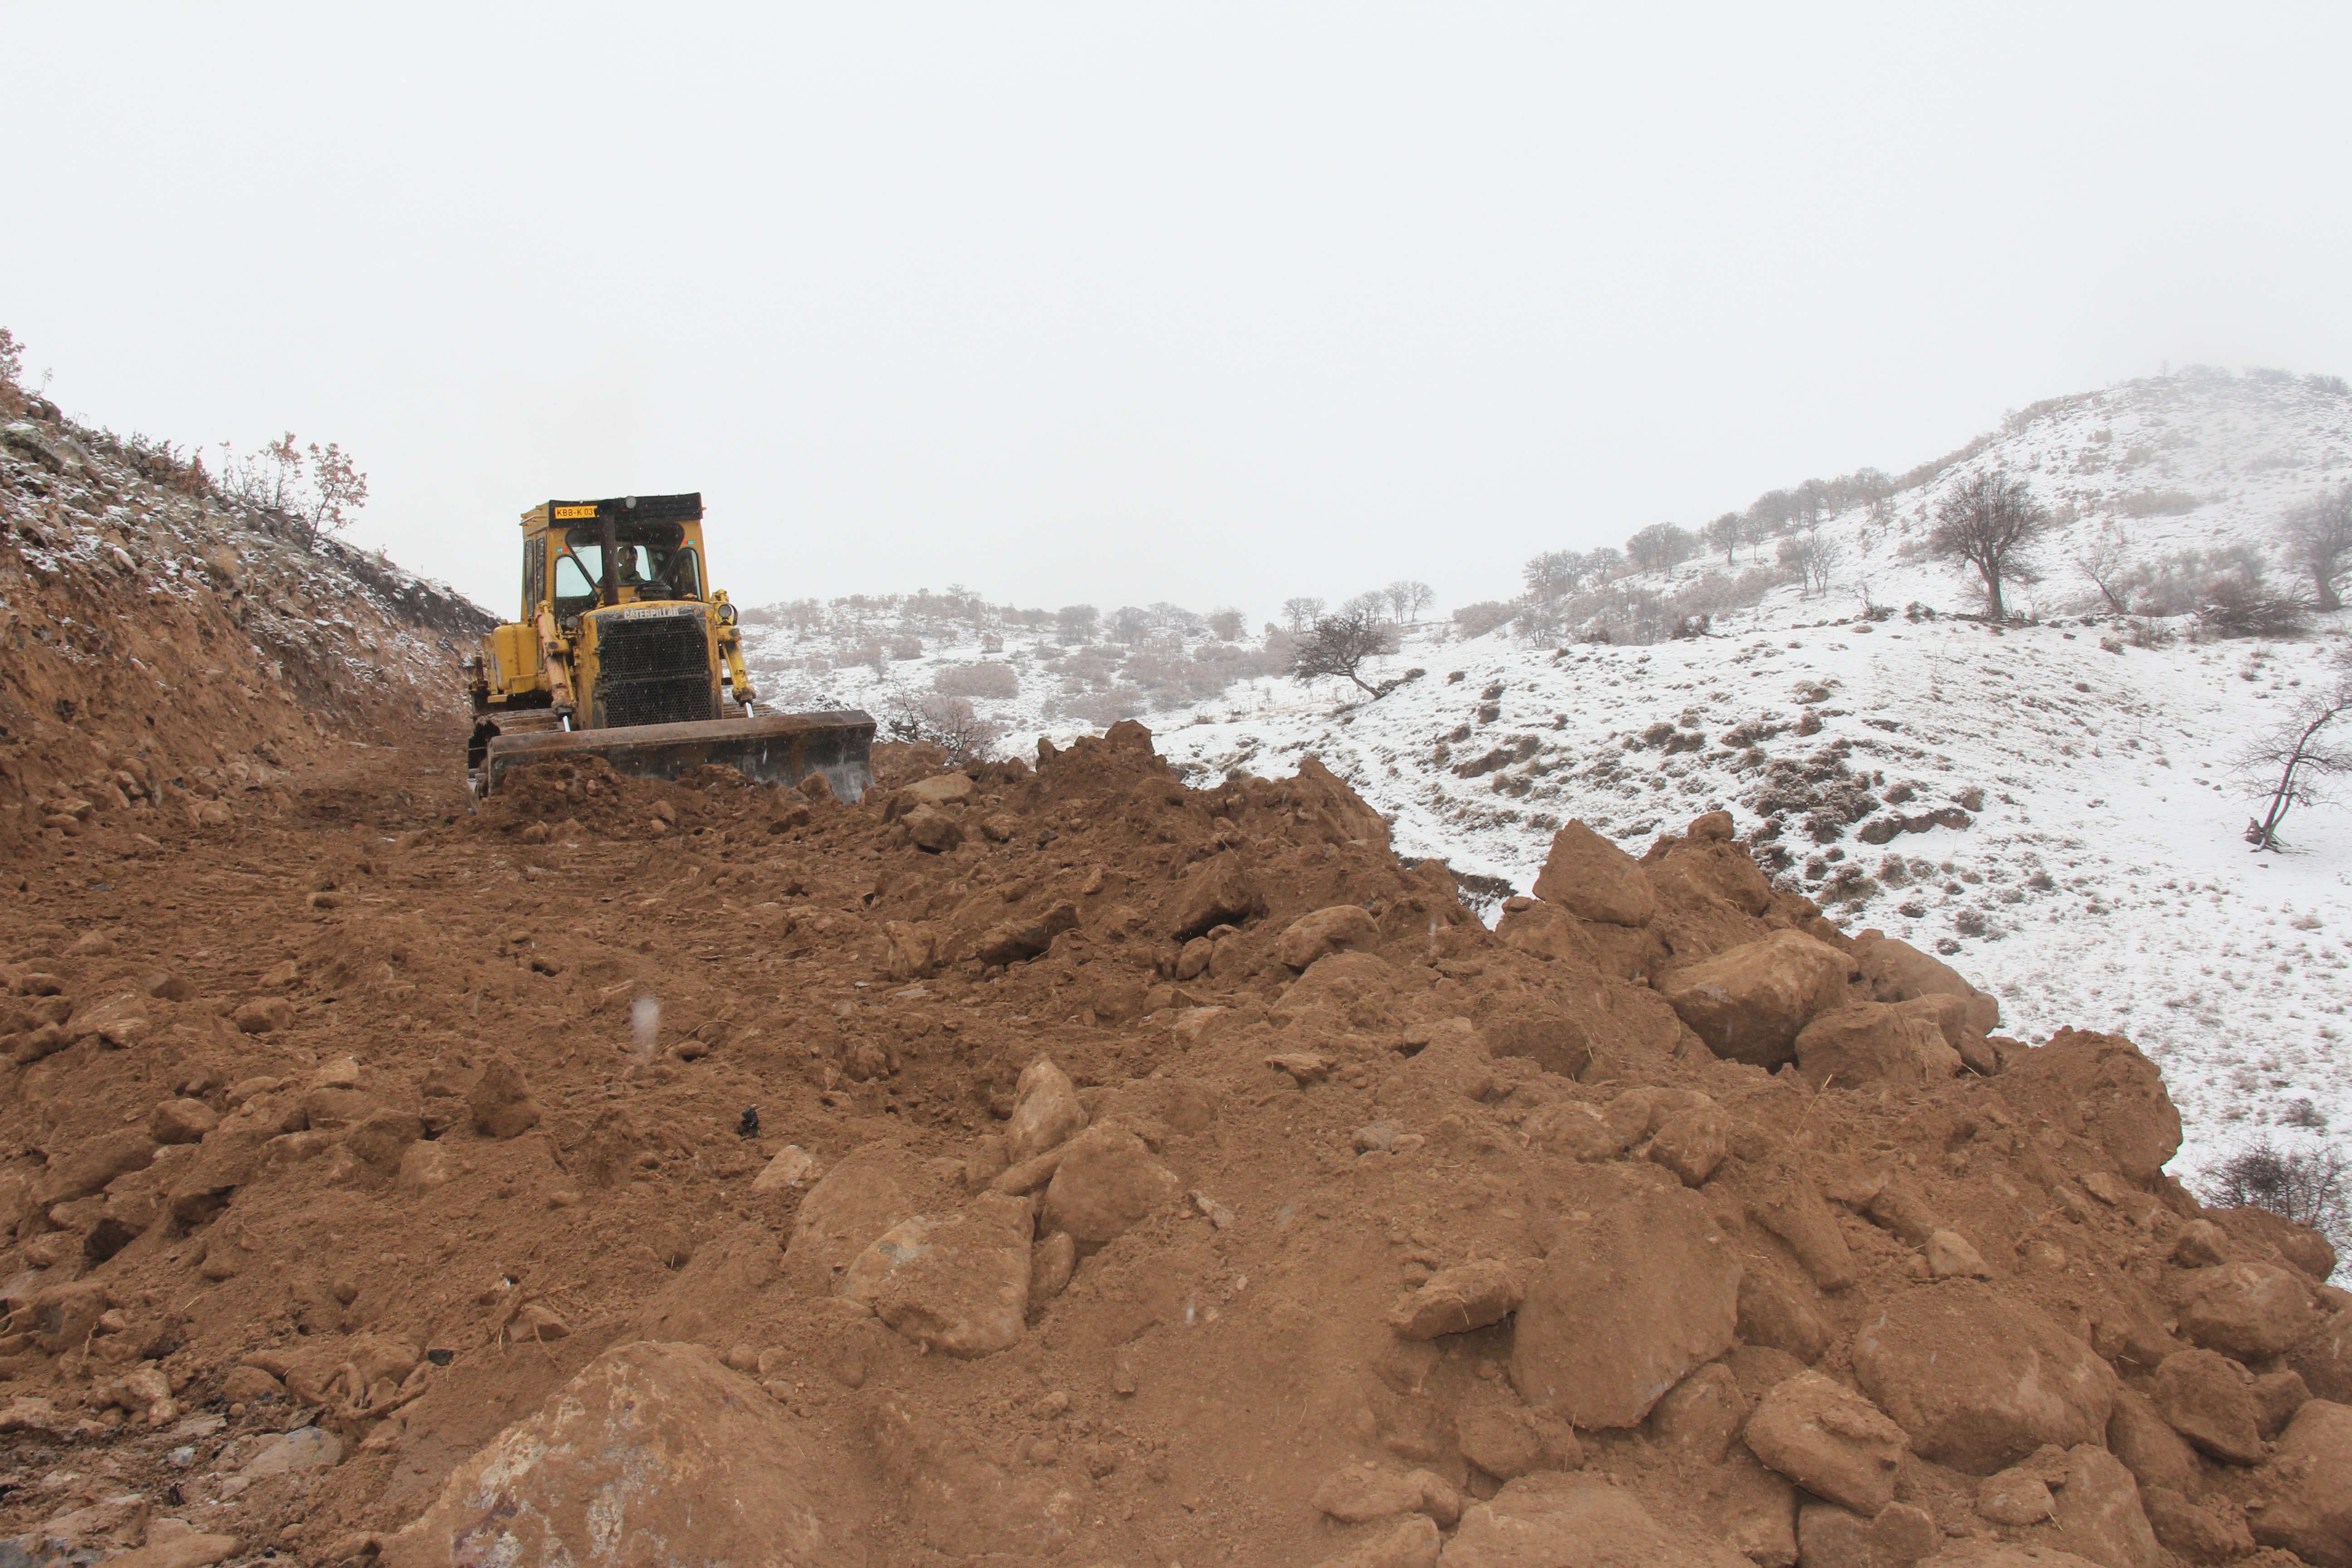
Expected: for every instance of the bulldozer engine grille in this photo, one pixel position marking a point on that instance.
(654, 669)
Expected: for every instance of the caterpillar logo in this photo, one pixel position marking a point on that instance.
(574, 513)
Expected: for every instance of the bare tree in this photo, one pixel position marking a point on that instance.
(1339, 646)
(1300, 613)
(1991, 521)
(1226, 624)
(2105, 561)
(1724, 533)
(2318, 539)
(1659, 546)
(2302, 760)
(1811, 555)
(1409, 598)
(1076, 623)
(951, 723)
(1372, 604)
(1552, 575)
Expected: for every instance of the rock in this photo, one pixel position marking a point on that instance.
(1628, 1303)
(942, 789)
(933, 830)
(2277, 1396)
(911, 949)
(1220, 891)
(1574, 1521)
(1595, 880)
(1979, 1378)
(2098, 1512)
(1017, 940)
(2252, 1230)
(1983, 1553)
(1412, 1543)
(2201, 1244)
(2017, 1496)
(789, 1168)
(1046, 1111)
(1456, 1300)
(2118, 1093)
(1702, 1415)
(2324, 1359)
(1773, 1314)
(623, 1464)
(2204, 1397)
(247, 1383)
(264, 1015)
(2149, 1448)
(1899, 1535)
(959, 1285)
(1949, 1257)
(423, 1167)
(197, 1549)
(383, 1137)
(1870, 1043)
(1749, 1003)
(1051, 1263)
(1107, 1181)
(2310, 1514)
(1796, 1214)
(868, 1190)
(2199, 1534)
(1507, 1441)
(1360, 1493)
(1897, 972)
(502, 1107)
(304, 1448)
(1829, 1440)
(120, 1020)
(1572, 1129)
(1335, 930)
(1692, 1144)
(2249, 1310)
(1712, 827)
(92, 1166)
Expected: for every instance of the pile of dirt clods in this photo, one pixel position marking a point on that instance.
(1060, 1165)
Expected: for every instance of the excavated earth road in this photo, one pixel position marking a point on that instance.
(1060, 1165)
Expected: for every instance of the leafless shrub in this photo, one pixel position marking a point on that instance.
(986, 680)
(2105, 561)
(949, 723)
(1476, 620)
(2308, 1186)
(2241, 607)
(2318, 539)
(1098, 710)
(2158, 504)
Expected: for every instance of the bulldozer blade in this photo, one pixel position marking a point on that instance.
(780, 748)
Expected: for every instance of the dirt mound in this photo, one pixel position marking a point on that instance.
(1058, 1164)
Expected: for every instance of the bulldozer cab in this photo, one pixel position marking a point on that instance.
(657, 554)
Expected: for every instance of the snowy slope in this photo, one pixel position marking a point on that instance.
(2091, 872)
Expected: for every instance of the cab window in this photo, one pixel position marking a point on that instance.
(685, 574)
(575, 589)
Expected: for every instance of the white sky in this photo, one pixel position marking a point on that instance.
(1210, 303)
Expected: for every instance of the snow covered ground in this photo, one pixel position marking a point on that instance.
(2089, 866)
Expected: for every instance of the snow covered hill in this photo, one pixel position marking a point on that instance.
(2051, 805)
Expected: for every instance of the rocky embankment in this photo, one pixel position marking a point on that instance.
(1060, 1165)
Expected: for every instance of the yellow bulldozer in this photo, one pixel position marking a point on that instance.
(621, 652)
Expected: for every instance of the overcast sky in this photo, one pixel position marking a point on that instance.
(1125, 303)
